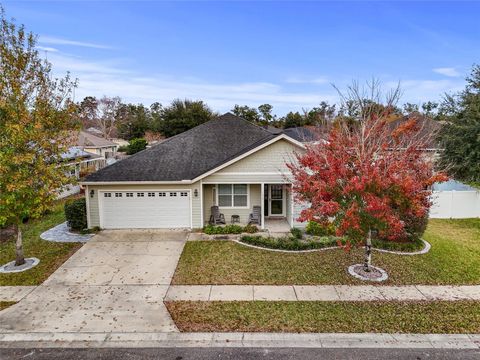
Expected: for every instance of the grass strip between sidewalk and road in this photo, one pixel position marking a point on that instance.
(51, 254)
(452, 260)
(454, 317)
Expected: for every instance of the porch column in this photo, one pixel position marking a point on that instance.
(262, 204)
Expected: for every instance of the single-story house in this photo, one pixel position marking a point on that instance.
(228, 162)
(96, 145)
(77, 164)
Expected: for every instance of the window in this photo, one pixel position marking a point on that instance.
(183, 194)
(107, 195)
(233, 195)
(129, 194)
(118, 194)
(151, 194)
(140, 194)
(173, 194)
(162, 194)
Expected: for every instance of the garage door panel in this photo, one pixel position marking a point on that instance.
(164, 209)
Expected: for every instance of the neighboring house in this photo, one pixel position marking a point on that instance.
(119, 142)
(228, 162)
(79, 163)
(96, 145)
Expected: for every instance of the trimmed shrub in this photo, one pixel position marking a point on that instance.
(136, 145)
(76, 214)
(289, 243)
(296, 233)
(416, 226)
(229, 229)
(123, 148)
(407, 246)
(251, 229)
(316, 229)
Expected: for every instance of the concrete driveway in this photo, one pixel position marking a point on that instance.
(116, 282)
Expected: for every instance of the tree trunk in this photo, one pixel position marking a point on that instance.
(19, 258)
(368, 252)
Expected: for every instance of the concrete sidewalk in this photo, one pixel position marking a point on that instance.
(294, 340)
(294, 293)
(321, 293)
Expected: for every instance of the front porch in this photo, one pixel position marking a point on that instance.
(238, 200)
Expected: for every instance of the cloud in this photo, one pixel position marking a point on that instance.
(416, 91)
(447, 71)
(112, 78)
(46, 48)
(220, 96)
(58, 41)
(306, 80)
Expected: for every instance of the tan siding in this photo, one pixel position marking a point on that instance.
(196, 202)
(297, 209)
(267, 165)
(273, 158)
(94, 215)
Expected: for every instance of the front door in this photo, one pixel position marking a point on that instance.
(276, 198)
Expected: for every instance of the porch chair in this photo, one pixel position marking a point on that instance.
(216, 217)
(256, 216)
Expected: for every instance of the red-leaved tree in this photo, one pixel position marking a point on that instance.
(371, 173)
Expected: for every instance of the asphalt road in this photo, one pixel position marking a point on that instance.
(237, 353)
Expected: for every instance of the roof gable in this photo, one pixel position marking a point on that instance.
(87, 139)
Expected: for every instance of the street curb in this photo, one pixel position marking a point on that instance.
(242, 340)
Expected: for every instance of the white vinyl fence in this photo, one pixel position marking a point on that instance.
(455, 204)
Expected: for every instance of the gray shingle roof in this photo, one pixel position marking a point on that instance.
(189, 154)
(86, 139)
(302, 134)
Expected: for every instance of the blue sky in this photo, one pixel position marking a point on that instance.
(287, 54)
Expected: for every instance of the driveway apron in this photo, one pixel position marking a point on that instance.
(115, 283)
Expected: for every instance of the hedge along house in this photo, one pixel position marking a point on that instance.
(227, 161)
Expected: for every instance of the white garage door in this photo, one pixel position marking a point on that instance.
(145, 209)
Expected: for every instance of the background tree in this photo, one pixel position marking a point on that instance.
(409, 108)
(369, 176)
(35, 116)
(429, 109)
(248, 113)
(460, 134)
(87, 111)
(265, 111)
(136, 145)
(320, 115)
(102, 114)
(133, 121)
(182, 115)
(293, 119)
(108, 111)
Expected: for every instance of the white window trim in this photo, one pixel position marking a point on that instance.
(233, 207)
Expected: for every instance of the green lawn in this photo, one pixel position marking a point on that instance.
(262, 316)
(51, 254)
(453, 259)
